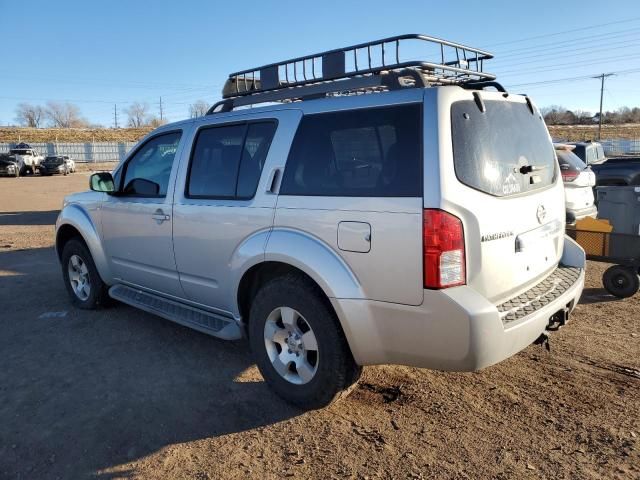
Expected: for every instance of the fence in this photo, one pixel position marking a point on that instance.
(89, 152)
(621, 146)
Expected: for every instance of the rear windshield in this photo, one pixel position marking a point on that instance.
(504, 151)
(570, 161)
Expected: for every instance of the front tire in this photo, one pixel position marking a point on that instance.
(84, 285)
(298, 344)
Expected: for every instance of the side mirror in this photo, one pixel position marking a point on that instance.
(102, 182)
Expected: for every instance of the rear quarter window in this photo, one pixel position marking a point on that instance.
(490, 148)
(375, 152)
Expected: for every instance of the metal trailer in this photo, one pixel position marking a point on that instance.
(622, 279)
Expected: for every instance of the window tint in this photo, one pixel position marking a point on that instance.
(147, 173)
(227, 161)
(368, 153)
(254, 154)
(215, 161)
(490, 148)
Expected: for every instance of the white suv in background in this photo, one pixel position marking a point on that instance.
(579, 182)
(410, 212)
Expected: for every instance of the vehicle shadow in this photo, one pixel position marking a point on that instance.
(86, 391)
(597, 295)
(29, 218)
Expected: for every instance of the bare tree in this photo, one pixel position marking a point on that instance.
(64, 115)
(198, 109)
(156, 122)
(138, 114)
(29, 115)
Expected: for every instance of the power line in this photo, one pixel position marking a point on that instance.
(578, 40)
(563, 32)
(562, 66)
(576, 78)
(563, 52)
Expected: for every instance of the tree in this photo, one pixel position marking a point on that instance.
(138, 114)
(198, 109)
(64, 115)
(29, 115)
(156, 122)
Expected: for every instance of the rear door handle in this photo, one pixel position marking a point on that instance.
(159, 216)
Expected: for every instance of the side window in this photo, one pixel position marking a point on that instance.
(227, 161)
(370, 153)
(147, 173)
(254, 154)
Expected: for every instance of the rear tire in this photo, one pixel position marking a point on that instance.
(622, 282)
(298, 344)
(81, 278)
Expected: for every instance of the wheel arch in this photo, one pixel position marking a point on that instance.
(75, 222)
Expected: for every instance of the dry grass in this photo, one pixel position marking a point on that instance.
(13, 134)
(72, 135)
(590, 132)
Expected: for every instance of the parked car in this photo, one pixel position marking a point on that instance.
(618, 171)
(9, 166)
(579, 181)
(57, 164)
(421, 224)
(589, 152)
(27, 158)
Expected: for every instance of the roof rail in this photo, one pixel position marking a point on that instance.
(363, 68)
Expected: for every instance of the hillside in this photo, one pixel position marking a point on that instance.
(590, 132)
(72, 135)
(14, 134)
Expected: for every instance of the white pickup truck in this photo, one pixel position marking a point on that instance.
(27, 158)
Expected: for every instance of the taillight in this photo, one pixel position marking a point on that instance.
(443, 249)
(569, 175)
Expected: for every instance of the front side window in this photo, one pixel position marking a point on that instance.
(147, 173)
(227, 161)
(372, 152)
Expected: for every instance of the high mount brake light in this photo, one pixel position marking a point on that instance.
(443, 250)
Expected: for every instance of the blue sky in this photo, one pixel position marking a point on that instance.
(100, 53)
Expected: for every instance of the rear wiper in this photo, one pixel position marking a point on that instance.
(530, 168)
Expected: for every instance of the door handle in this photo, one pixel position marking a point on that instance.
(159, 216)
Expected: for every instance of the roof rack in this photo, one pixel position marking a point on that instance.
(363, 68)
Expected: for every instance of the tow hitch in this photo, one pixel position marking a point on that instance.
(557, 320)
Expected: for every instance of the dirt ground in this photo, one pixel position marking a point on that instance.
(119, 393)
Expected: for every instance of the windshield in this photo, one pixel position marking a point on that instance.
(22, 152)
(504, 151)
(53, 160)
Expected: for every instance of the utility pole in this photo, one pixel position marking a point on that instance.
(161, 117)
(115, 115)
(601, 77)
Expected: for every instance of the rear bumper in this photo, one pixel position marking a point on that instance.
(454, 329)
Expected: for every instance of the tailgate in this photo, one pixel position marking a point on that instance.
(499, 174)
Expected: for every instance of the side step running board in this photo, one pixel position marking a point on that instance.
(201, 320)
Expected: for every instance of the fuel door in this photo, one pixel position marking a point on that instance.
(354, 237)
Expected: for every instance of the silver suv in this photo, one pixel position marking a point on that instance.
(407, 212)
